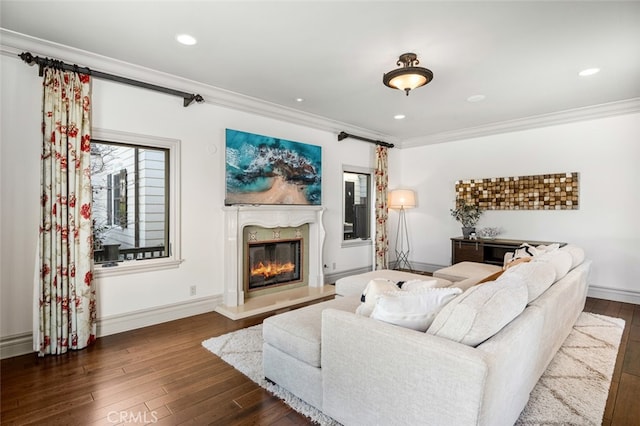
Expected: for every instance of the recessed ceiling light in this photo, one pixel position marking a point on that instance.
(476, 98)
(588, 72)
(186, 39)
(399, 116)
(299, 100)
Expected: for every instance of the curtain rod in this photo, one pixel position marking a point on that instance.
(27, 57)
(344, 135)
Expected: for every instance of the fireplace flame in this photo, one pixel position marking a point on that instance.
(272, 269)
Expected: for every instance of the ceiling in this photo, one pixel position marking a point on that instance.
(523, 56)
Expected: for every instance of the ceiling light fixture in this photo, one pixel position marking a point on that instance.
(408, 76)
(399, 116)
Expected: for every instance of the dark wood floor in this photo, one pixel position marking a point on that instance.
(162, 375)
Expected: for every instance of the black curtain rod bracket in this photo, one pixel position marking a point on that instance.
(344, 135)
(188, 98)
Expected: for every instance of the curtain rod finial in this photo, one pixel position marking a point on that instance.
(188, 100)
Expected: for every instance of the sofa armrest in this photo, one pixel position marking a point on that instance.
(377, 373)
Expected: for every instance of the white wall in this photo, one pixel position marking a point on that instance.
(201, 129)
(605, 152)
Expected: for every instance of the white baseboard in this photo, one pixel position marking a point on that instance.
(21, 344)
(146, 317)
(426, 267)
(614, 294)
(332, 278)
(18, 344)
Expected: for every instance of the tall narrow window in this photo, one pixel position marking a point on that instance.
(131, 201)
(357, 205)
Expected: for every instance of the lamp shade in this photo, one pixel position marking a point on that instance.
(402, 198)
(409, 76)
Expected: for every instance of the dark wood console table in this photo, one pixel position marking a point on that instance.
(487, 251)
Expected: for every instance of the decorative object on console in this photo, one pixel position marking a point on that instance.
(468, 215)
(559, 191)
(267, 170)
(408, 76)
(489, 233)
(402, 199)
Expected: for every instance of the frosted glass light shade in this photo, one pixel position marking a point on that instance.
(402, 198)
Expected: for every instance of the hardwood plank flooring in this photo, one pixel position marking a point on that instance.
(162, 375)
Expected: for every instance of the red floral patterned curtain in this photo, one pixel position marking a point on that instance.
(382, 210)
(65, 293)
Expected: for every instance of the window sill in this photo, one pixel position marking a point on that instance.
(356, 243)
(135, 267)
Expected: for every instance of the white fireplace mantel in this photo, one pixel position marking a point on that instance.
(268, 216)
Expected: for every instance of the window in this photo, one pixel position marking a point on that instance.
(356, 217)
(134, 185)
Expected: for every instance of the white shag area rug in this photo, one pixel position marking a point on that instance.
(572, 391)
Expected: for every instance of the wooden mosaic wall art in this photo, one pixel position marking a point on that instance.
(540, 192)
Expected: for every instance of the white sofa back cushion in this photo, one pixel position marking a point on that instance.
(560, 260)
(538, 276)
(577, 254)
(481, 311)
(413, 309)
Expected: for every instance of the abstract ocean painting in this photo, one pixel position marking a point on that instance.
(267, 170)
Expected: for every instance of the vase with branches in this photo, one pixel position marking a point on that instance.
(468, 215)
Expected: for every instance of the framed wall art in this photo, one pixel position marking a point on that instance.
(268, 170)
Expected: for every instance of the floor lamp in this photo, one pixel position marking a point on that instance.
(402, 199)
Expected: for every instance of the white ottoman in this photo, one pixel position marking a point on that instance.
(354, 285)
(463, 270)
(291, 348)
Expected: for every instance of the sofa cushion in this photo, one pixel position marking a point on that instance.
(537, 276)
(577, 254)
(560, 260)
(298, 332)
(414, 309)
(481, 311)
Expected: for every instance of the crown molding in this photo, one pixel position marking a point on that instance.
(13, 43)
(627, 106)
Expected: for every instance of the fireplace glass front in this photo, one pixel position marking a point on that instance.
(274, 263)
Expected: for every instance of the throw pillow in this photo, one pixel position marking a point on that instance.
(413, 309)
(378, 286)
(524, 251)
(551, 247)
(374, 289)
(415, 285)
(481, 311)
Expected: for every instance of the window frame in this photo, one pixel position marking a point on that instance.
(371, 203)
(174, 259)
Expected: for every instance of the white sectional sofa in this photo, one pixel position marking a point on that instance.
(475, 365)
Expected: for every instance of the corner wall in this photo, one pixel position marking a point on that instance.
(129, 301)
(605, 152)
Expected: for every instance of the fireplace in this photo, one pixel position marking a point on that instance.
(246, 225)
(273, 258)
